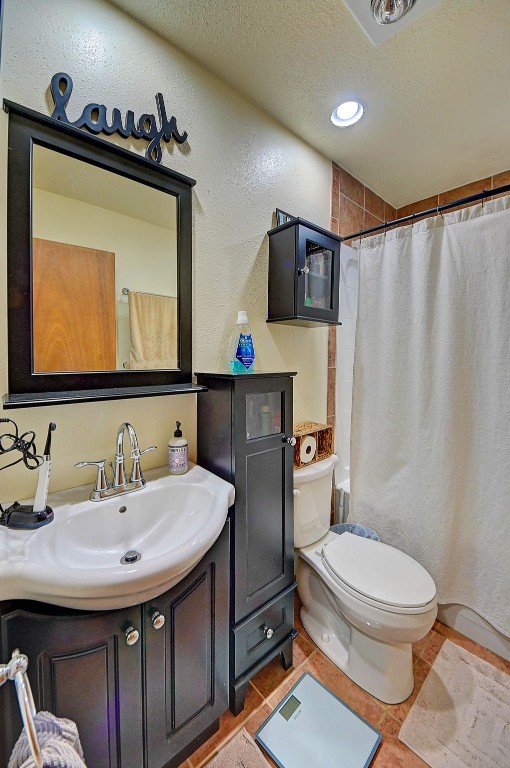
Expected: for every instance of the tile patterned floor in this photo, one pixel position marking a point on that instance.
(271, 684)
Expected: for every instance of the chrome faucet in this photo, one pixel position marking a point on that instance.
(119, 486)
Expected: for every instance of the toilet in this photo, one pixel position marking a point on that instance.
(363, 602)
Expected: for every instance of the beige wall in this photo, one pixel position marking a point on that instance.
(245, 165)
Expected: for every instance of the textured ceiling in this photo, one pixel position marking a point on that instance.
(437, 111)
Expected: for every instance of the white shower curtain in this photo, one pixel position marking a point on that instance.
(430, 440)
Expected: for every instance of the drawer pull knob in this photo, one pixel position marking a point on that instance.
(157, 620)
(268, 632)
(132, 635)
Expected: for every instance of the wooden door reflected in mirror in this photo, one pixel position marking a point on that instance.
(74, 308)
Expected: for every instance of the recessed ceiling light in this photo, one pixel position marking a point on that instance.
(347, 113)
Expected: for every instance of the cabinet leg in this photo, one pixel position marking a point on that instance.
(236, 700)
(286, 655)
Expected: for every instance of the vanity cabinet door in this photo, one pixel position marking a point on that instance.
(264, 502)
(243, 426)
(186, 659)
(80, 667)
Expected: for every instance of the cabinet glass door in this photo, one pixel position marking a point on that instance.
(318, 273)
(263, 414)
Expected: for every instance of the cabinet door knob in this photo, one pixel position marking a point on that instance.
(157, 620)
(268, 632)
(290, 440)
(132, 635)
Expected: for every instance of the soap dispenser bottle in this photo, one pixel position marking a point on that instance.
(241, 352)
(178, 452)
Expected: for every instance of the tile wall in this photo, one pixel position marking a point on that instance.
(353, 207)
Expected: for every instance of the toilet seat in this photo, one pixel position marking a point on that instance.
(378, 574)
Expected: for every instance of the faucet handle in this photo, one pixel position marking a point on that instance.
(101, 480)
(136, 452)
(136, 470)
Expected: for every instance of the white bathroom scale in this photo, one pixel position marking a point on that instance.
(313, 727)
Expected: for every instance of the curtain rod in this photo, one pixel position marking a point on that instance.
(412, 216)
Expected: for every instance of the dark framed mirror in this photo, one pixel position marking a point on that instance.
(99, 260)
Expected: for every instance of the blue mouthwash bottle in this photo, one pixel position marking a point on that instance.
(241, 353)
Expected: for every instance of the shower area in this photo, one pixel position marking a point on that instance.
(422, 404)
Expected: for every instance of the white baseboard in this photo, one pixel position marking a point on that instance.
(470, 624)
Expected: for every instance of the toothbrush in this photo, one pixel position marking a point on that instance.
(41, 494)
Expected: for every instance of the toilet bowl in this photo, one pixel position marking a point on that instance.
(363, 602)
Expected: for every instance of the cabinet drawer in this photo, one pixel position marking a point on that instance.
(259, 634)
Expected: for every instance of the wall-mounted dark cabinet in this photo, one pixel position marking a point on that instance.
(244, 433)
(304, 273)
(151, 703)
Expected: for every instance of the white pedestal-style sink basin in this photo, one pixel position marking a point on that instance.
(120, 551)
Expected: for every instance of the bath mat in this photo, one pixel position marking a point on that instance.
(312, 727)
(239, 752)
(461, 716)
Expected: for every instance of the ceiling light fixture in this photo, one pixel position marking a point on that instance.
(347, 113)
(388, 11)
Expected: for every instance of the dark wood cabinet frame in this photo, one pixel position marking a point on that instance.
(27, 388)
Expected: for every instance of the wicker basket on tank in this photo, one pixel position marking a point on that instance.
(323, 435)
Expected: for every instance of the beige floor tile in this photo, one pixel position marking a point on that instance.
(355, 697)
(434, 643)
(272, 683)
(393, 754)
(273, 674)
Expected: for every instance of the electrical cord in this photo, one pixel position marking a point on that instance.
(24, 444)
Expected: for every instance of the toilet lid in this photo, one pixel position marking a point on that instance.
(379, 571)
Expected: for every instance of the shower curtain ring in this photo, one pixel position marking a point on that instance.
(439, 213)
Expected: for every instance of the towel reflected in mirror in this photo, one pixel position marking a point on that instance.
(153, 329)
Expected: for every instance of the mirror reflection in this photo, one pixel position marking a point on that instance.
(104, 269)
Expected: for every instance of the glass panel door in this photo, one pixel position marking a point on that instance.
(318, 276)
(263, 414)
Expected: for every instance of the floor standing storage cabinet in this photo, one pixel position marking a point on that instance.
(245, 436)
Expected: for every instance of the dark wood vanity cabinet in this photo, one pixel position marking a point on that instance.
(145, 705)
(243, 435)
(303, 275)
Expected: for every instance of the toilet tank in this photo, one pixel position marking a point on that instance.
(312, 501)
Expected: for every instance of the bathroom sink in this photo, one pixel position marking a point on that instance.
(120, 551)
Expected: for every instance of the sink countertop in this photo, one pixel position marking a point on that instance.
(75, 560)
